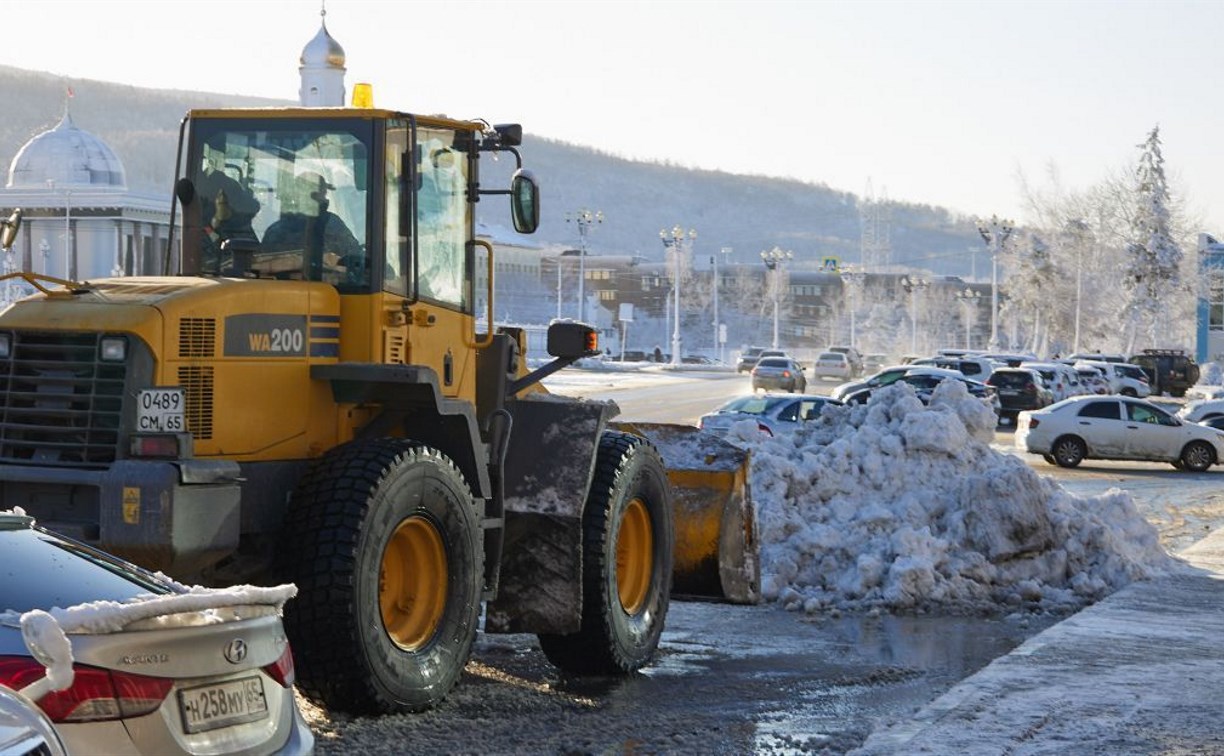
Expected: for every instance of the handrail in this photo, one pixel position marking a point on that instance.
(488, 340)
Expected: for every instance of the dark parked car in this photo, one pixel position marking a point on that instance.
(1169, 371)
(1019, 389)
(778, 374)
(748, 359)
(924, 386)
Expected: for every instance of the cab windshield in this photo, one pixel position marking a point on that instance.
(280, 198)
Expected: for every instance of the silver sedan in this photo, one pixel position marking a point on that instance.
(122, 660)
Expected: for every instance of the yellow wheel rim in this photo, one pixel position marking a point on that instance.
(634, 557)
(412, 583)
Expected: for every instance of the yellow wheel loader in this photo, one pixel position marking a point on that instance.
(308, 398)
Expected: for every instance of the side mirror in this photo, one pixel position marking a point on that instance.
(8, 230)
(525, 202)
(571, 340)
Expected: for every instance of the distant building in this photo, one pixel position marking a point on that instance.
(1209, 326)
(80, 219)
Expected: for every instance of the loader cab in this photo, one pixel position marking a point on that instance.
(368, 201)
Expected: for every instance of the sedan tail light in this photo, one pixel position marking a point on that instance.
(281, 670)
(764, 429)
(95, 695)
(1033, 422)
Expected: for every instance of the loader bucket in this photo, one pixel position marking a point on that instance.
(717, 554)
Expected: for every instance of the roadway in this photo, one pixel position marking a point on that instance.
(736, 679)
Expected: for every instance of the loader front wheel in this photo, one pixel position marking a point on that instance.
(384, 544)
(627, 562)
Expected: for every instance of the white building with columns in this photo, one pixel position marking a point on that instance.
(80, 219)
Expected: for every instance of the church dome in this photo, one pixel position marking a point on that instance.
(68, 156)
(323, 51)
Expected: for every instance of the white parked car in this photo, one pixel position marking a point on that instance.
(1116, 427)
(1203, 409)
(833, 365)
(1062, 380)
(1092, 381)
(1123, 378)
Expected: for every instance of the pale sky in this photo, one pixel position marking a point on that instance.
(944, 103)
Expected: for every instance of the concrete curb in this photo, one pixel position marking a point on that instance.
(1122, 676)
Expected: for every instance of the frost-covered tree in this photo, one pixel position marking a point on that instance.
(1094, 265)
(1031, 289)
(1153, 257)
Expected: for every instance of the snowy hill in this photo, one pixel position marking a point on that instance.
(745, 213)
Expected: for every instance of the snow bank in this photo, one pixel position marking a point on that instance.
(899, 506)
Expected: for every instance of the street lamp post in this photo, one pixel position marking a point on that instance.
(853, 281)
(774, 259)
(995, 232)
(584, 219)
(559, 258)
(969, 300)
(1076, 234)
(718, 350)
(675, 241)
(914, 285)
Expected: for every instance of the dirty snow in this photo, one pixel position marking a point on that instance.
(897, 506)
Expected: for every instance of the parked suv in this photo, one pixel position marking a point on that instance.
(1168, 370)
(1019, 389)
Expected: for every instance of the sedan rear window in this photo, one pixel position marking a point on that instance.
(1011, 380)
(774, 362)
(47, 572)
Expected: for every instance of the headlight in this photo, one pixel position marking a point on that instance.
(114, 349)
(6, 344)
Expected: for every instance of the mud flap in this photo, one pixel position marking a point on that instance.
(548, 470)
(717, 554)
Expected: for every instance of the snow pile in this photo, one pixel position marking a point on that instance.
(899, 506)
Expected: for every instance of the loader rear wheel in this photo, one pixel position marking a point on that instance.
(627, 562)
(384, 544)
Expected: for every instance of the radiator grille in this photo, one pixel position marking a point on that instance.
(59, 404)
(197, 337)
(198, 383)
